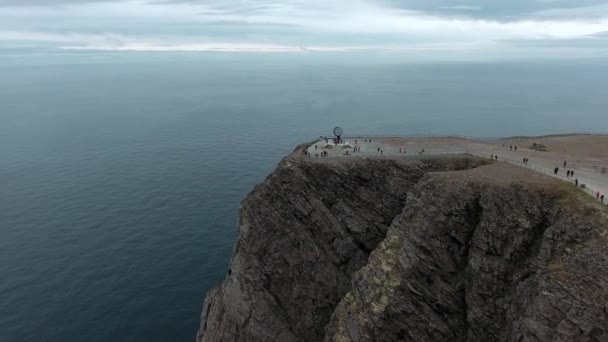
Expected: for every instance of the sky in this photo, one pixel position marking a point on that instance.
(517, 28)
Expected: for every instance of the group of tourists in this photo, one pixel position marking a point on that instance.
(356, 148)
(305, 153)
(570, 174)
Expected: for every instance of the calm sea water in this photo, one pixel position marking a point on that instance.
(121, 173)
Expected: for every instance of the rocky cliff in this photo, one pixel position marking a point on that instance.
(413, 249)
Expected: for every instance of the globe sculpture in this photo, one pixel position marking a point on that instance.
(338, 133)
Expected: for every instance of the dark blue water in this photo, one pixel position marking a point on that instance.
(121, 173)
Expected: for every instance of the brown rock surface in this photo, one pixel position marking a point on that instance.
(488, 253)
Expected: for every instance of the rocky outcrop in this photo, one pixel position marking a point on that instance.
(483, 261)
(437, 249)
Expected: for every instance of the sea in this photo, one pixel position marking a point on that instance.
(121, 173)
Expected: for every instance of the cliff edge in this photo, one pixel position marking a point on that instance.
(412, 249)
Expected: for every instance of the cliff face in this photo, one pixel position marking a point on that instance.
(412, 249)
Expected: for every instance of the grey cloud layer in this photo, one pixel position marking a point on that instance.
(490, 9)
(21, 3)
(511, 9)
(483, 9)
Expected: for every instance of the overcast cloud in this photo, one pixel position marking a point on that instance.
(501, 10)
(305, 25)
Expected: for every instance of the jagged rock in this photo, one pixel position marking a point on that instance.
(459, 251)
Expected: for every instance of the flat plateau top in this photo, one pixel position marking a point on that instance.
(585, 154)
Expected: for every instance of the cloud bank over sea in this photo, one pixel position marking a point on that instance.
(485, 27)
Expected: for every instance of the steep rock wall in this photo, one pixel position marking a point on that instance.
(303, 233)
(460, 251)
(477, 257)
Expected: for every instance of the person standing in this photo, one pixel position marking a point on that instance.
(556, 170)
(515, 148)
(565, 163)
(576, 182)
(597, 195)
(572, 173)
(602, 199)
